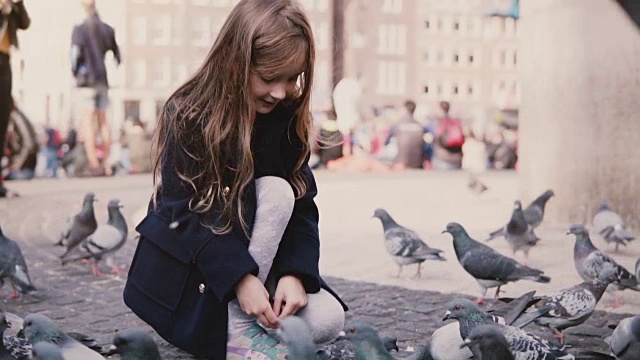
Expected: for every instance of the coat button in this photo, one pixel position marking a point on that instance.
(225, 191)
(201, 288)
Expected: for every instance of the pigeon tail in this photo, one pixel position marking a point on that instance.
(529, 317)
(538, 278)
(496, 234)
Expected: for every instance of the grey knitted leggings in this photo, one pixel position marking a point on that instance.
(275, 200)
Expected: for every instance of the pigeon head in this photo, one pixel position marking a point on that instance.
(114, 204)
(454, 229)
(135, 344)
(360, 332)
(548, 194)
(380, 213)
(4, 324)
(89, 198)
(578, 230)
(517, 205)
(43, 350)
(460, 309)
(604, 205)
(38, 327)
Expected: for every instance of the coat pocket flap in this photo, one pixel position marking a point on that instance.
(155, 229)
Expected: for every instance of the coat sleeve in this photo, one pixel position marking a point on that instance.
(223, 259)
(22, 17)
(299, 251)
(114, 46)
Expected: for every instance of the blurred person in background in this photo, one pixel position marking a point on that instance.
(91, 40)
(408, 135)
(448, 141)
(52, 148)
(13, 16)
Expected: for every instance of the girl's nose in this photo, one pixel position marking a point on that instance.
(279, 90)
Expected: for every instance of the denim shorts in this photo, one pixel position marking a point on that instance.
(93, 98)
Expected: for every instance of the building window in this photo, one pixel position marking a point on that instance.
(515, 58)
(392, 39)
(456, 25)
(427, 24)
(470, 90)
(139, 73)
(161, 72)
(132, 109)
(392, 78)
(139, 30)
(470, 58)
(161, 30)
(454, 89)
(392, 6)
(456, 58)
(201, 31)
(426, 89)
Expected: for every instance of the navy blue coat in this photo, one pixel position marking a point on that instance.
(182, 278)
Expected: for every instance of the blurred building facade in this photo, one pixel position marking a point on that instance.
(428, 50)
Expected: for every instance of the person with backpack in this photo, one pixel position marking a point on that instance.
(90, 41)
(449, 138)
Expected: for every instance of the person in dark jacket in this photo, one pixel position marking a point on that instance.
(90, 41)
(230, 241)
(13, 16)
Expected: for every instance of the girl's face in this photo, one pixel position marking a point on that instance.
(268, 89)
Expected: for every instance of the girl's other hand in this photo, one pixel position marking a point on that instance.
(253, 298)
(290, 293)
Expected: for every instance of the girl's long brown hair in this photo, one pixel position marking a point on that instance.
(211, 116)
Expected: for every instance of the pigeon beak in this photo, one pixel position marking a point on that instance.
(20, 333)
(467, 343)
(8, 325)
(111, 350)
(447, 316)
(568, 232)
(341, 335)
(443, 231)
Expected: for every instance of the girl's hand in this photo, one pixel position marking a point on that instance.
(291, 293)
(254, 300)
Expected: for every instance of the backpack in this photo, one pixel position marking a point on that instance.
(449, 132)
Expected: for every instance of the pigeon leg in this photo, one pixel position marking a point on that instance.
(85, 261)
(483, 293)
(616, 249)
(95, 270)
(399, 272)
(118, 271)
(497, 293)
(558, 334)
(14, 295)
(418, 273)
(616, 302)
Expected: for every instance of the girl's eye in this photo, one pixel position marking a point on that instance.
(268, 80)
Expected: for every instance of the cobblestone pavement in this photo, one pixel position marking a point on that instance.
(78, 301)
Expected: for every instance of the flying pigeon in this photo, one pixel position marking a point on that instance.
(533, 214)
(106, 240)
(475, 185)
(521, 344)
(625, 340)
(405, 245)
(12, 347)
(610, 225)
(134, 344)
(574, 305)
(296, 334)
(487, 266)
(366, 341)
(518, 233)
(46, 351)
(38, 327)
(590, 262)
(79, 226)
(488, 343)
(14, 267)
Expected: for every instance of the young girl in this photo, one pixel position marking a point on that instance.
(231, 237)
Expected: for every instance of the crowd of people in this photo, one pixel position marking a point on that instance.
(396, 138)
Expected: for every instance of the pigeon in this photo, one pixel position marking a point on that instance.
(14, 267)
(637, 272)
(518, 233)
(475, 185)
(574, 305)
(12, 347)
(625, 340)
(405, 245)
(79, 226)
(488, 343)
(487, 266)
(38, 327)
(46, 351)
(521, 344)
(390, 342)
(589, 261)
(366, 341)
(610, 225)
(106, 240)
(134, 344)
(533, 214)
(296, 334)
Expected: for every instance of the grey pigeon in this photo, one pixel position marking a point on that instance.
(134, 344)
(14, 267)
(390, 342)
(574, 305)
(367, 343)
(521, 344)
(106, 240)
(46, 351)
(590, 262)
(637, 272)
(404, 245)
(518, 233)
(625, 340)
(533, 214)
(610, 225)
(79, 226)
(488, 343)
(487, 266)
(296, 334)
(38, 327)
